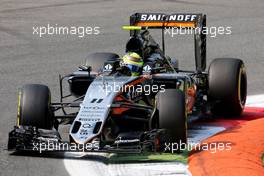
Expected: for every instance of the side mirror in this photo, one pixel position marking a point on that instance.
(85, 68)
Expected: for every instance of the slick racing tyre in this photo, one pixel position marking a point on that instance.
(227, 81)
(34, 106)
(172, 115)
(97, 60)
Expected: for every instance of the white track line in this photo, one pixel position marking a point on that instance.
(255, 101)
(198, 133)
(149, 169)
(96, 168)
(84, 167)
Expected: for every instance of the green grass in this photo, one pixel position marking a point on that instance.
(148, 157)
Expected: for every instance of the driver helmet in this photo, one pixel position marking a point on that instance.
(133, 62)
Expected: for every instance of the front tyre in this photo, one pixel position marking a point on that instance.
(172, 115)
(34, 106)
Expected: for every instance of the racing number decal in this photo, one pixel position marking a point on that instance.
(95, 100)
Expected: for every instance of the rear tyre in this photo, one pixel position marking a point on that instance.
(172, 115)
(97, 60)
(34, 106)
(227, 86)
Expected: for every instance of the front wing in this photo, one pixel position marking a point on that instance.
(25, 138)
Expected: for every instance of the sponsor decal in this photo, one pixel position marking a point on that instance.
(124, 141)
(83, 132)
(94, 107)
(147, 68)
(95, 100)
(170, 18)
(92, 120)
(108, 67)
(91, 114)
(87, 125)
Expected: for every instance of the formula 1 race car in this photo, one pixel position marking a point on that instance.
(117, 112)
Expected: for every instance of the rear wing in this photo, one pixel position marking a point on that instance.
(160, 20)
(139, 21)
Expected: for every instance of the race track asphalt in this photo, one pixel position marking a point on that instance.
(27, 58)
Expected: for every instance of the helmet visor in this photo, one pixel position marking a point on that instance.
(133, 68)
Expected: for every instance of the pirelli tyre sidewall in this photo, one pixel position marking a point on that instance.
(172, 115)
(227, 81)
(34, 106)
